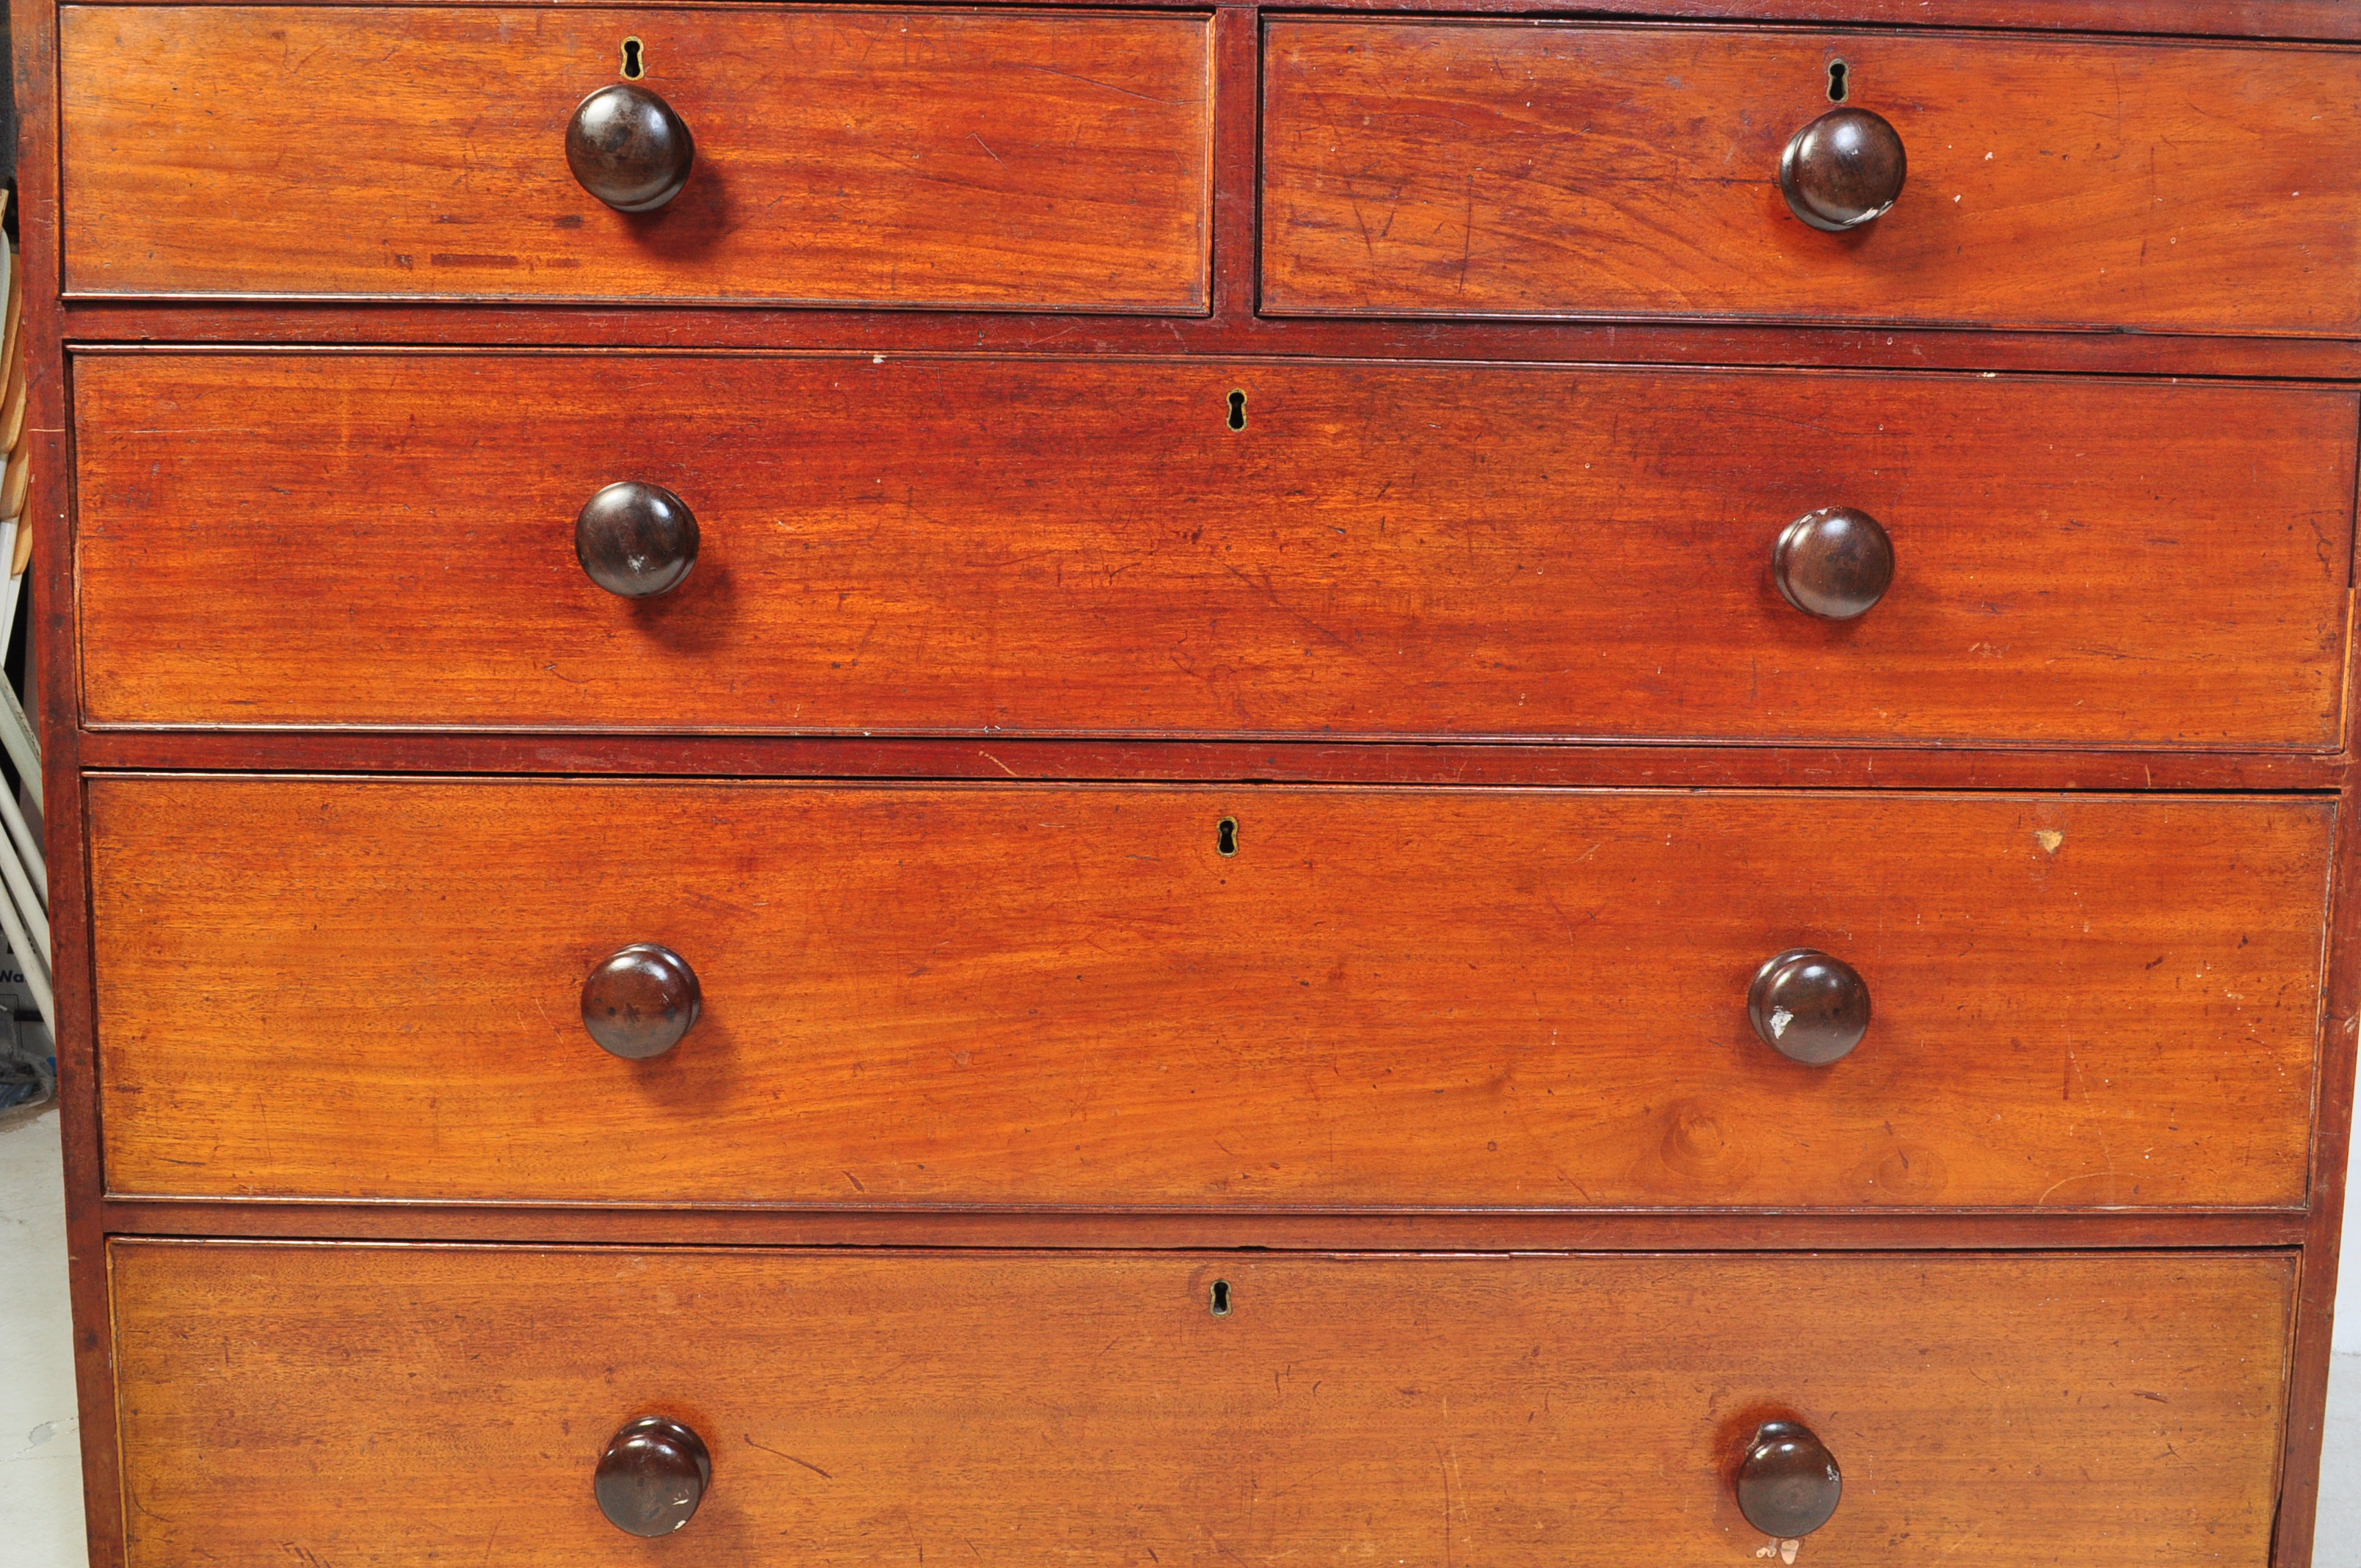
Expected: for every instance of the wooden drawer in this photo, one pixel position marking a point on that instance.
(1016, 996)
(423, 1404)
(1509, 169)
(994, 546)
(977, 158)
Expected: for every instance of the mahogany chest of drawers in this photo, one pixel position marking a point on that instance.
(1162, 785)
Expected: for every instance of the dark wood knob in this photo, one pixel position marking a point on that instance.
(636, 539)
(628, 148)
(1808, 1006)
(1835, 563)
(1843, 170)
(651, 1477)
(1788, 1485)
(640, 1002)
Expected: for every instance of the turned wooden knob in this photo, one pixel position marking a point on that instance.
(1788, 1484)
(1808, 1006)
(1835, 563)
(640, 1002)
(1843, 170)
(628, 148)
(651, 1477)
(636, 539)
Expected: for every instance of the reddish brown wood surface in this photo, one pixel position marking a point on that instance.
(2326, 19)
(996, 547)
(1020, 995)
(922, 157)
(2332, 1152)
(980, 324)
(1004, 757)
(1505, 168)
(2321, 19)
(1225, 332)
(1281, 1230)
(2045, 1411)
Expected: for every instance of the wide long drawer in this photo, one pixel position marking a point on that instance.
(990, 546)
(993, 158)
(421, 1405)
(1512, 168)
(1201, 996)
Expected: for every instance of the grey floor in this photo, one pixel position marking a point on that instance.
(2339, 1541)
(41, 1491)
(41, 1457)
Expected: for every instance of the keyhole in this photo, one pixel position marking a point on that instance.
(634, 62)
(1838, 72)
(1225, 836)
(1221, 1298)
(1237, 411)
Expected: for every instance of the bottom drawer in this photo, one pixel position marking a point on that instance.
(395, 1405)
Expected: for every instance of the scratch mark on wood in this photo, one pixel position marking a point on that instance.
(788, 1457)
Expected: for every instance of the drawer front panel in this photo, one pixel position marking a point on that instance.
(1508, 169)
(419, 1406)
(1071, 995)
(996, 547)
(921, 157)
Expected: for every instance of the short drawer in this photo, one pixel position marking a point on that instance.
(991, 158)
(408, 1406)
(1217, 998)
(998, 546)
(1512, 168)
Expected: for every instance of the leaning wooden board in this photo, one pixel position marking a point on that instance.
(1072, 996)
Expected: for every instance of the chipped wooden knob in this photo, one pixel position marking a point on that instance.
(636, 539)
(1808, 1007)
(651, 1477)
(642, 1003)
(1788, 1484)
(629, 148)
(1843, 170)
(1835, 564)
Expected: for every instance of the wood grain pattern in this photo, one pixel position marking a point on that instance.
(2315, 1310)
(1050, 161)
(2324, 19)
(1491, 168)
(997, 757)
(1018, 995)
(1282, 1230)
(2330, 20)
(993, 547)
(272, 1384)
(2042, 1411)
(120, 324)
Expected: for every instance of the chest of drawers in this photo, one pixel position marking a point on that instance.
(1162, 785)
